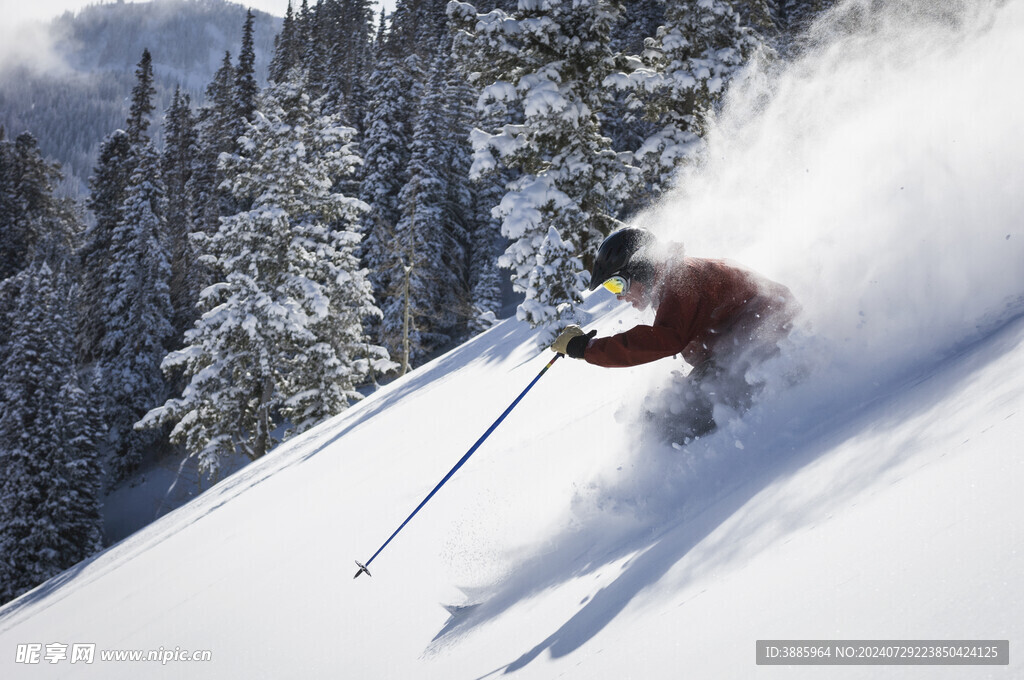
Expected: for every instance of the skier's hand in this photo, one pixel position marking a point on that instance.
(564, 343)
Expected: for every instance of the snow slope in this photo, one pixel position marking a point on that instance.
(878, 498)
(892, 518)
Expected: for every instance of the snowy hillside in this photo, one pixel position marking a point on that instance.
(878, 498)
(593, 557)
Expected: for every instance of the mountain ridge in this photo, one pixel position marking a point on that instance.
(80, 93)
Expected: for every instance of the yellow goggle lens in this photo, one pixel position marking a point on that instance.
(617, 285)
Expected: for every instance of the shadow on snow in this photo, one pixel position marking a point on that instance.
(651, 535)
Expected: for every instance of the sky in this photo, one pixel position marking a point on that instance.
(19, 11)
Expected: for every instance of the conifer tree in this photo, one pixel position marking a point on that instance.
(31, 217)
(385, 146)
(126, 273)
(304, 22)
(549, 60)
(429, 239)
(336, 56)
(380, 36)
(138, 314)
(287, 47)
(229, 107)
(686, 67)
(13, 239)
(315, 49)
(486, 241)
(470, 255)
(54, 223)
(624, 118)
(181, 147)
(485, 248)
(216, 129)
(794, 18)
(142, 100)
(118, 160)
(763, 17)
(246, 89)
(108, 185)
(282, 338)
(49, 472)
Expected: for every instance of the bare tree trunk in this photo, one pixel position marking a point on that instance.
(406, 318)
(408, 265)
(262, 441)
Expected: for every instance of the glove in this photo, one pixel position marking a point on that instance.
(572, 342)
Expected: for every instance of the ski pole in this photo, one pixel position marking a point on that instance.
(363, 567)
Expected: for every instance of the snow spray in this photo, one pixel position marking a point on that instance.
(878, 175)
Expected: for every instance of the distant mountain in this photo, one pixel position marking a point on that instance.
(71, 107)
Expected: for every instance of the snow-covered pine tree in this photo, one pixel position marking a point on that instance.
(138, 313)
(639, 22)
(343, 34)
(380, 35)
(14, 232)
(217, 129)
(403, 58)
(246, 89)
(624, 117)
(485, 190)
(336, 57)
(303, 28)
(125, 294)
(429, 240)
(108, 185)
(34, 224)
(764, 17)
(287, 47)
(181, 147)
(81, 429)
(385, 146)
(353, 89)
(49, 474)
(13, 240)
(31, 217)
(681, 77)
(117, 162)
(314, 54)
(548, 60)
(142, 100)
(479, 231)
(795, 18)
(486, 246)
(229, 106)
(281, 341)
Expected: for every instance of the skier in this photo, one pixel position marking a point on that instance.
(721, 318)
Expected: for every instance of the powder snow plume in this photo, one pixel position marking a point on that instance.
(878, 175)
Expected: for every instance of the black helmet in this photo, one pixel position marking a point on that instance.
(625, 252)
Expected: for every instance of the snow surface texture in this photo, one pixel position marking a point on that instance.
(879, 498)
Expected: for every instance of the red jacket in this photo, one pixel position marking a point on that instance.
(698, 302)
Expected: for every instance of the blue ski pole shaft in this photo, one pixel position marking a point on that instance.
(462, 461)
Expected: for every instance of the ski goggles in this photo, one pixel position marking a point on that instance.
(617, 285)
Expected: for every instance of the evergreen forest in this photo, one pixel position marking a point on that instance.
(248, 262)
